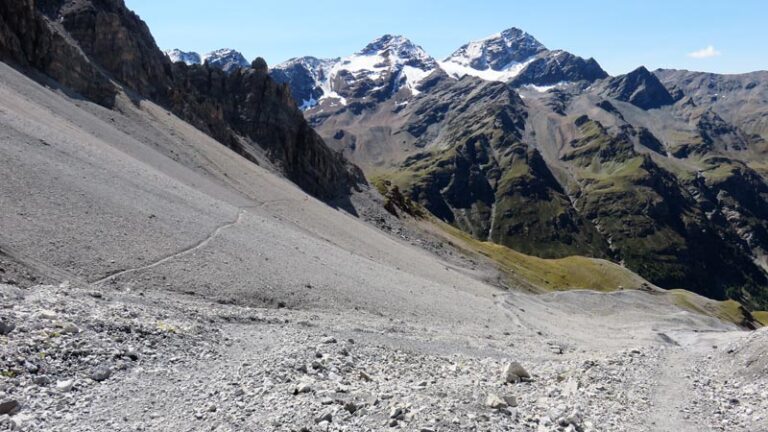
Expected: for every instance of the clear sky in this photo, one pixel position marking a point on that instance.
(725, 36)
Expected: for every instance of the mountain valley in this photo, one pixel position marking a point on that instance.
(541, 151)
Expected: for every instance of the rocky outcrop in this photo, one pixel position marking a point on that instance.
(247, 103)
(715, 131)
(304, 77)
(557, 67)
(118, 41)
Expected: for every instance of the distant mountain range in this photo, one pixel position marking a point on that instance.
(390, 63)
(542, 151)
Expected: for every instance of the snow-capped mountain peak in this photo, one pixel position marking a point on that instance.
(390, 58)
(498, 51)
(497, 57)
(226, 59)
(177, 55)
(399, 50)
(380, 70)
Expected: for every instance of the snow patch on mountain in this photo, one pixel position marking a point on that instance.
(414, 76)
(544, 89)
(308, 103)
(506, 73)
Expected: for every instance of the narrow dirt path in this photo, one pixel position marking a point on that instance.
(200, 244)
(672, 394)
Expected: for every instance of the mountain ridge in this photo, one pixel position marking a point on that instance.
(509, 56)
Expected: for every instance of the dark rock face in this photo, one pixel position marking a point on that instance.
(302, 79)
(647, 139)
(559, 66)
(248, 103)
(609, 107)
(100, 40)
(715, 130)
(27, 39)
(640, 88)
(117, 40)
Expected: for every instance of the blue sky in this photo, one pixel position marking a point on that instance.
(714, 36)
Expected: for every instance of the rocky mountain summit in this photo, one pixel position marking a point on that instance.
(226, 59)
(308, 78)
(188, 58)
(640, 88)
(517, 57)
(497, 52)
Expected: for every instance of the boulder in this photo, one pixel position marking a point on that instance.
(9, 406)
(495, 402)
(100, 373)
(514, 372)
